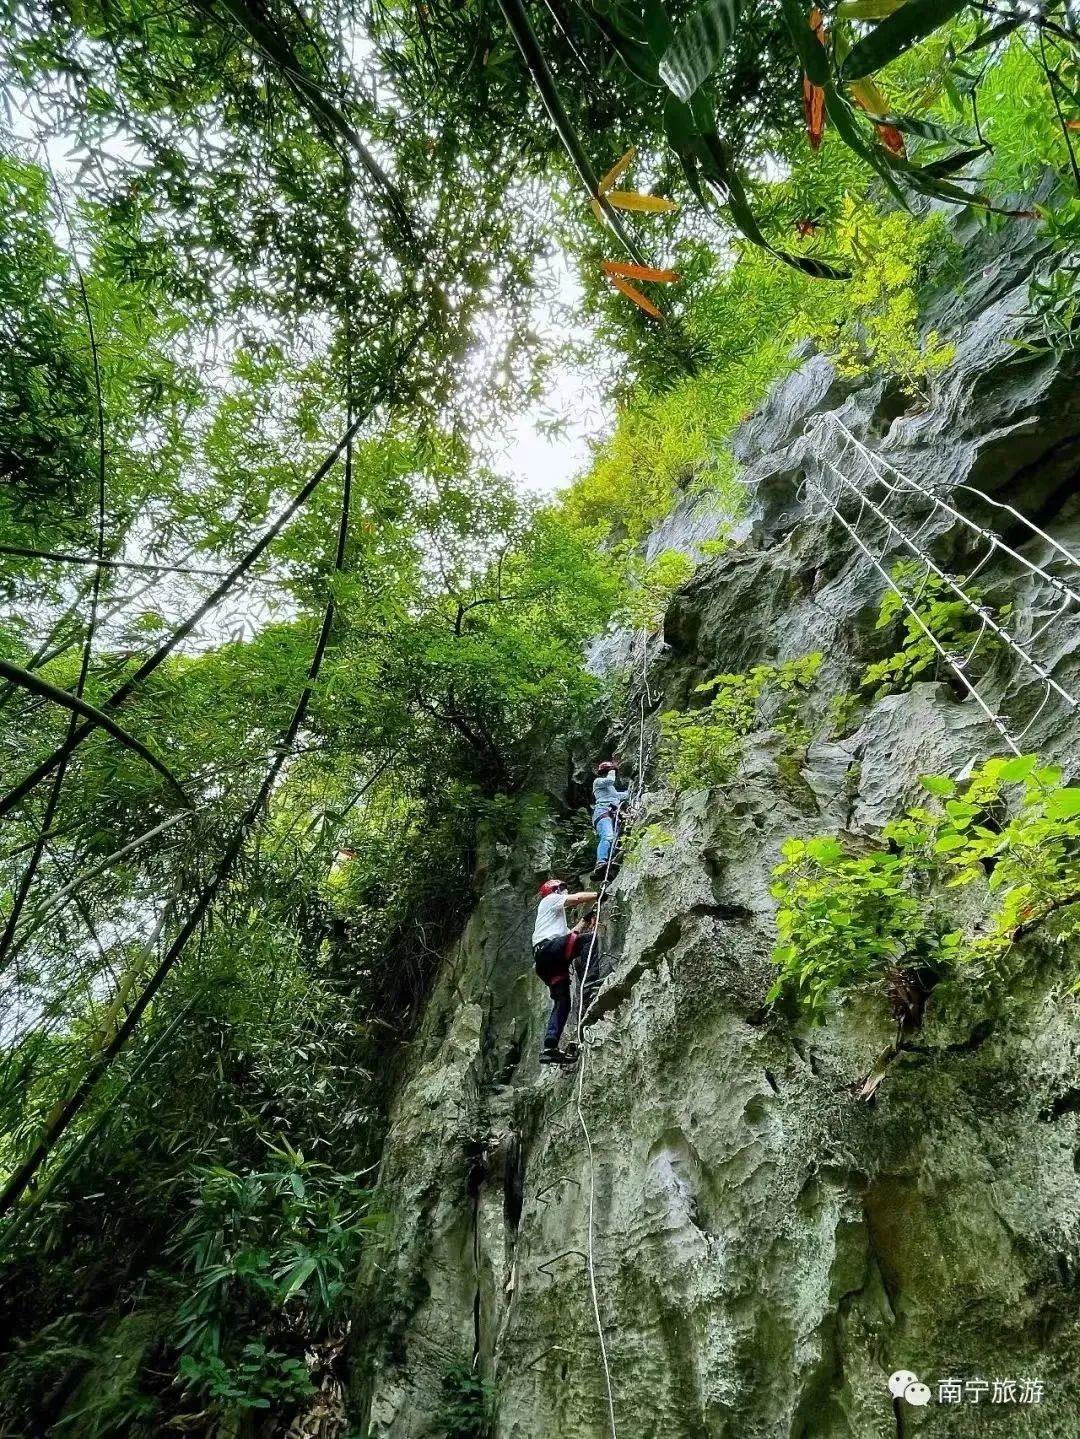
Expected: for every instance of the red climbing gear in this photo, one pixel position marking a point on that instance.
(549, 886)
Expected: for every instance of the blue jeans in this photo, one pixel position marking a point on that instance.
(605, 828)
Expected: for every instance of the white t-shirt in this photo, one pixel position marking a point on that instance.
(550, 919)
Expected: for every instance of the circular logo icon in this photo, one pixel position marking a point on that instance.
(917, 1394)
(899, 1382)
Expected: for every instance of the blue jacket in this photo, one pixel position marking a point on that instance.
(606, 796)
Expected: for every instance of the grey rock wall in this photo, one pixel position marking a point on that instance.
(767, 1248)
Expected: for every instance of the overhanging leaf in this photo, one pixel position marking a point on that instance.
(916, 125)
(867, 9)
(638, 272)
(715, 182)
(868, 96)
(949, 164)
(698, 46)
(616, 170)
(897, 33)
(814, 95)
(994, 34)
(633, 293)
(642, 204)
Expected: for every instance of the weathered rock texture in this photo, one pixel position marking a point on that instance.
(768, 1249)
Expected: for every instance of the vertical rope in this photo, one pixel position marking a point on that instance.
(590, 1266)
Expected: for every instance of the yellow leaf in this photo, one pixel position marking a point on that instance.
(598, 211)
(633, 293)
(868, 96)
(616, 170)
(611, 268)
(647, 204)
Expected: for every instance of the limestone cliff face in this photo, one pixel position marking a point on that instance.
(768, 1248)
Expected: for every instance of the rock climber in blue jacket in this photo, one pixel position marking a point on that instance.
(607, 798)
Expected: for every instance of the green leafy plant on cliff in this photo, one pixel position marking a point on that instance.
(466, 1411)
(1013, 825)
(652, 586)
(847, 917)
(924, 605)
(644, 840)
(843, 918)
(701, 747)
(874, 323)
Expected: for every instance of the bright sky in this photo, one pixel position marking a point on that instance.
(538, 461)
(542, 463)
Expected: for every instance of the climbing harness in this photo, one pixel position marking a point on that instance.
(590, 1266)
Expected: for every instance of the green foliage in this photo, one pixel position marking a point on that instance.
(642, 840)
(935, 607)
(842, 919)
(251, 277)
(701, 747)
(1012, 824)
(467, 1407)
(260, 1378)
(739, 328)
(1055, 288)
(653, 585)
(874, 321)
(1011, 831)
(844, 714)
(282, 1240)
(662, 444)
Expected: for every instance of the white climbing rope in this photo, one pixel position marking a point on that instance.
(590, 1266)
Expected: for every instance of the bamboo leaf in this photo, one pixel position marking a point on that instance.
(994, 34)
(699, 44)
(641, 204)
(716, 183)
(916, 125)
(867, 9)
(949, 164)
(897, 33)
(814, 94)
(809, 50)
(633, 293)
(868, 96)
(638, 272)
(616, 170)
(814, 110)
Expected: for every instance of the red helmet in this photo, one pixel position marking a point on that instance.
(605, 766)
(549, 886)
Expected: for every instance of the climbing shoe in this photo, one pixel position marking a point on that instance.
(556, 1056)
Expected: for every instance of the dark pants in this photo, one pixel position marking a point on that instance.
(553, 959)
